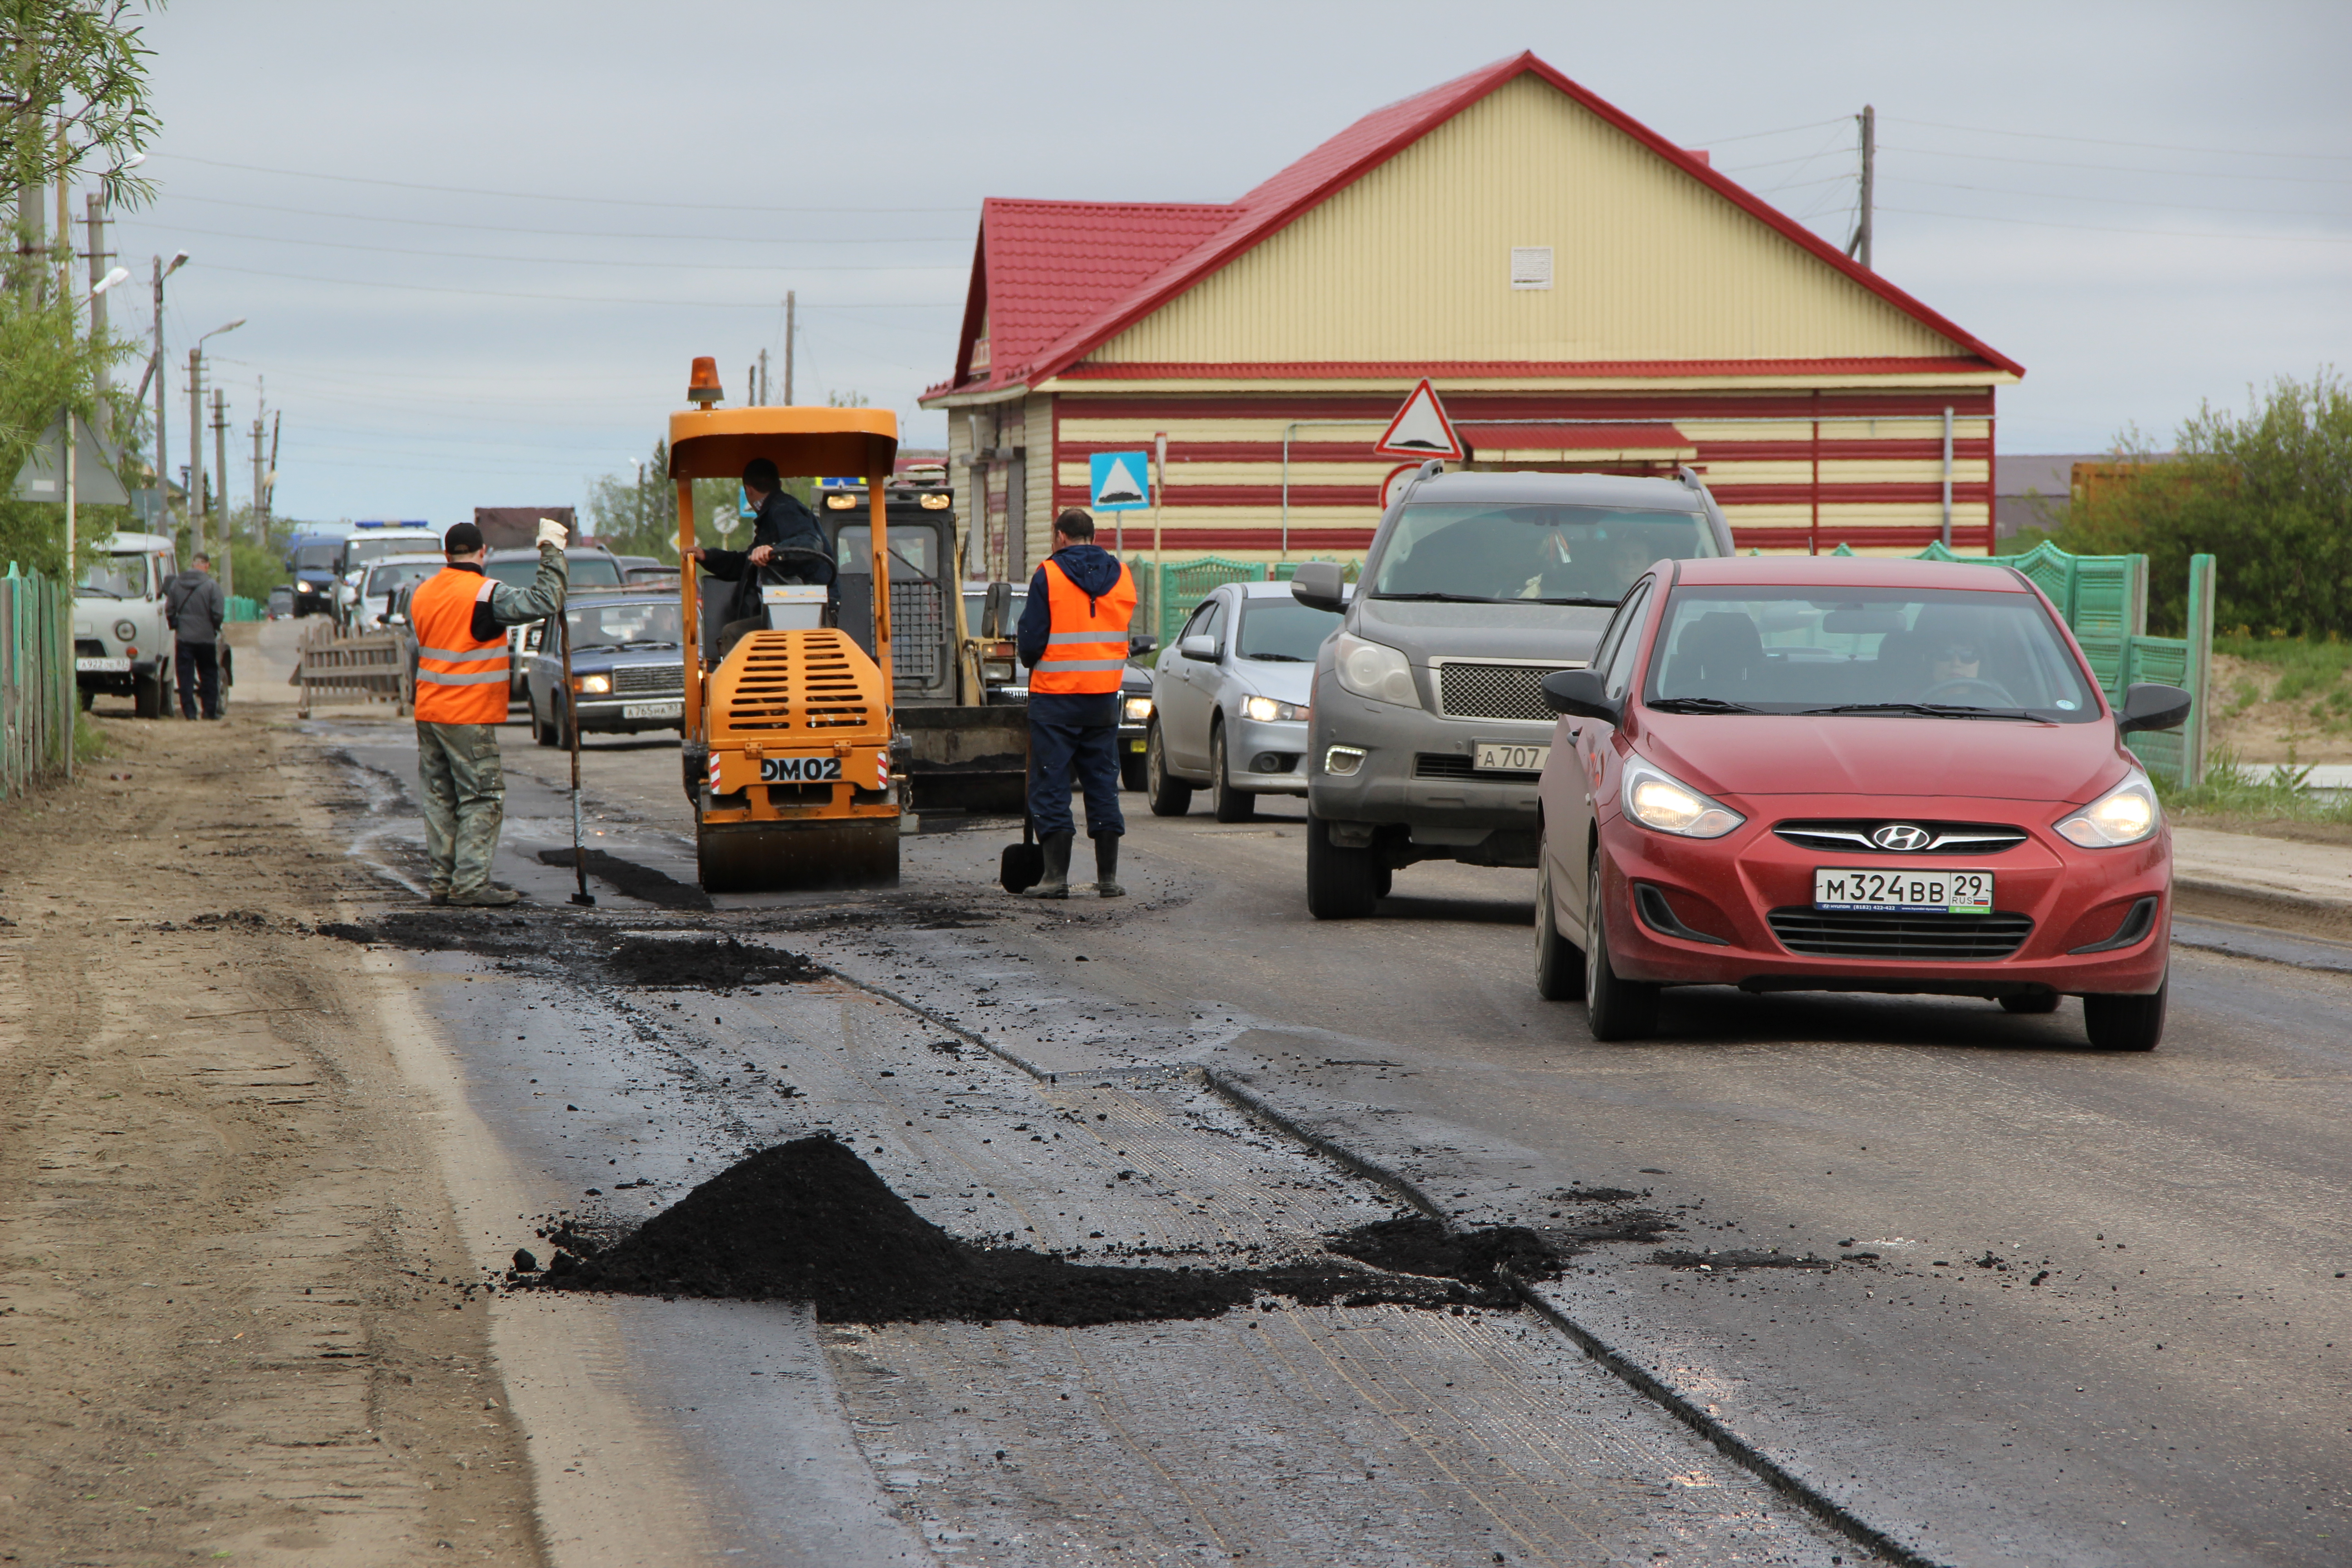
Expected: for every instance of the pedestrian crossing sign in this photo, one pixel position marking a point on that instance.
(1121, 482)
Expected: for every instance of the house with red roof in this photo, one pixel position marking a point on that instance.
(1583, 293)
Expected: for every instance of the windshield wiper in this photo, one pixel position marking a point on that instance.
(1433, 596)
(1582, 599)
(1925, 710)
(1698, 705)
(647, 643)
(1275, 658)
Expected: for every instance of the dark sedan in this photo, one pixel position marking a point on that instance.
(629, 673)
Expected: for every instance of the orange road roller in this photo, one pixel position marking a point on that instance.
(789, 726)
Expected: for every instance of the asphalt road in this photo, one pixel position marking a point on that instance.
(2073, 1307)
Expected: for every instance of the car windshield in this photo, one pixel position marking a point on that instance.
(910, 550)
(625, 623)
(317, 557)
(392, 579)
(358, 553)
(1939, 653)
(587, 571)
(122, 576)
(1535, 551)
(1283, 631)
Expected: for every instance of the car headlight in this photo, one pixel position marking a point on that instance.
(1374, 670)
(1135, 711)
(306, 587)
(1658, 800)
(2124, 815)
(1266, 709)
(1341, 761)
(124, 631)
(592, 685)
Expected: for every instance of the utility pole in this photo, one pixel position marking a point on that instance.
(196, 450)
(1859, 246)
(764, 377)
(220, 465)
(789, 304)
(98, 257)
(260, 487)
(161, 372)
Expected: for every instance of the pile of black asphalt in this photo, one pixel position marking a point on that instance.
(809, 1221)
(685, 962)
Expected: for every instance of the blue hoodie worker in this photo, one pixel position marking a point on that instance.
(1073, 636)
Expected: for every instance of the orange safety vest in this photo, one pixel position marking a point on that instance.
(458, 680)
(1087, 647)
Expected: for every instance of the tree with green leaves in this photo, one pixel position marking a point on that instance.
(74, 107)
(635, 513)
(2268, 493)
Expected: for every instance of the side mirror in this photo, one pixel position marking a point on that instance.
(997, 611)
(2150, 705)
(1318, 585)
(1579, 692)
(1199, 647)
(1136, 646)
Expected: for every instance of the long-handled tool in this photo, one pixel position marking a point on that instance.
(572, 730)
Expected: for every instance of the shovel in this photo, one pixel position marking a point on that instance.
(572, 728)
(1023, 865)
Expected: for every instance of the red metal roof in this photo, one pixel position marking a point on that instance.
(1086, 271)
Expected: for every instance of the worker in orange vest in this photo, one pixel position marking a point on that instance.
(459, 618)
(1073, 636)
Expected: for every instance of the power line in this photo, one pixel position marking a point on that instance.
(538, 195)
(2102, 228)
(581, 233)
(572, 260)
(583, 298)
(1785, 130)
(2115, 168)
(2116, 201)
(2104, 141)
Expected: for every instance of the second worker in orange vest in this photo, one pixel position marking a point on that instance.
(459, 618)
(1074, 639)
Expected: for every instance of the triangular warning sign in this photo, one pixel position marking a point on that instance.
(1420, 428)
(1118, 485)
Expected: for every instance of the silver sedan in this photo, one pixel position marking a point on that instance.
(1229, 701)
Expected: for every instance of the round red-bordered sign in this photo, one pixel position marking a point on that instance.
(1394, 486)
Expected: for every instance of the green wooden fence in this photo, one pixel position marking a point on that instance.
(37, 682)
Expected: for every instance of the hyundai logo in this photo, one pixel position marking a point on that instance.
(1900, 836)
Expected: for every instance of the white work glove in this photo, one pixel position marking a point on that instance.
(552, 533)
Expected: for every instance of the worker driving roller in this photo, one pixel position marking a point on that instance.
(460, 618)
(1074, 639)
(787, 546)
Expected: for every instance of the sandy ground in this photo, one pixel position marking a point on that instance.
(2266, 732)
(222, 1330)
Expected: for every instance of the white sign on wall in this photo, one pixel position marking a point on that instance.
(1531, 267)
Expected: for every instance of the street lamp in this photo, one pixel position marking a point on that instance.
(72, 447)
(197, 438)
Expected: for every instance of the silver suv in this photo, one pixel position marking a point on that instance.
(1428, 730)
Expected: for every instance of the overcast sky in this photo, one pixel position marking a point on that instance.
(476, 244)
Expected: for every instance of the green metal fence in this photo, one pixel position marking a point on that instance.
(241, 608)
(1166, 596)
(37, 682)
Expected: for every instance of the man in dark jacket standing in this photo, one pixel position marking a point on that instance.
(193, 605)
(1073, 636)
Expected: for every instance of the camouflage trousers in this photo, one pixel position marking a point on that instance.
(464, 803)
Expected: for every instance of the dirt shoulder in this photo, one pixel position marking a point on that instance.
(223, 1329)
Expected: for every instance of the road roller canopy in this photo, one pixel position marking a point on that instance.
(715, 443)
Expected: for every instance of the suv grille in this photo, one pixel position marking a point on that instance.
(1494, 690)
(1854, 933)
(1852, 836)
(1455, 765)
(636, 677)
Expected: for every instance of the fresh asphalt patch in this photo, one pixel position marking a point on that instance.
(810, 1221)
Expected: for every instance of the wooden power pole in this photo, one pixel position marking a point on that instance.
(1859, 246)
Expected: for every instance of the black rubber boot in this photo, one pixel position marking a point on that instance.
(1106, 867)
(1056, 882)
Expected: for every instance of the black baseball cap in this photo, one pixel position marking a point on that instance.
(463, 538)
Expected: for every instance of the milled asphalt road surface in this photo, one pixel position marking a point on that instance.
(2077, 1308)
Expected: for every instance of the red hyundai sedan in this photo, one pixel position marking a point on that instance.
(1816, 774)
